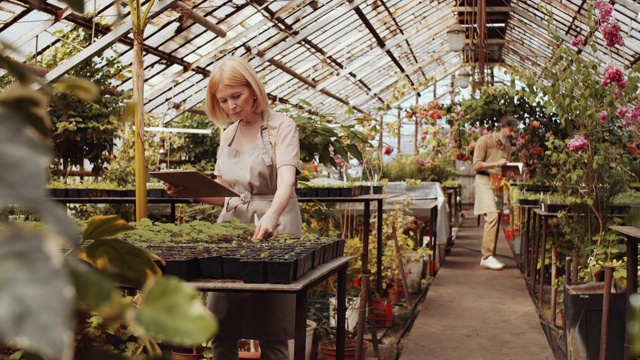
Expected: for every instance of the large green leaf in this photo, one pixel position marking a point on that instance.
(82, 88)
(26, 156)
(123, 260)
(100, 227)
(76, 5)
(172, 311)
(94, 290)
(36, 296)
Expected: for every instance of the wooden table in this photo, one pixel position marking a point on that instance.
(299, 288)
(632, 234)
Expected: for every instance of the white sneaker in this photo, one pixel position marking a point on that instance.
(491, 263)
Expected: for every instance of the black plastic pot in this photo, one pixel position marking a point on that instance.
(185, 268)
(322, 192)
(254, 271)
(210, 266)
(347, 192)
(335, 192)
(583, 316)
(281, 271)
(231, 268)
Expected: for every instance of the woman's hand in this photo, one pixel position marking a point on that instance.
(174, 191)
(266, 227)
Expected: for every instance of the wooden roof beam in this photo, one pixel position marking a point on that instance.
(379, 40)
(489, 9)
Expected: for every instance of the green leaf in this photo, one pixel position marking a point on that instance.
(355, 152)
(36, 294)
(28, 106)
(28, 156)
(172, 311)
(124, 259)
(81, 88)
(305, 103)
(94, 290)
(76, 5)
(100, 227)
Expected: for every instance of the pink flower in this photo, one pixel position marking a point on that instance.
(388, 150)
(605, 10)
(635, 113)
(407, 272)
(603, 116)
(580, 40)
(613, 75)
(578, 143)
(611, 34)
(622, 112)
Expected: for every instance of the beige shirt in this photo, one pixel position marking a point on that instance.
(283, 136)
(489, 149)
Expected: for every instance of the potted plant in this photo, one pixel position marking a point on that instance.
(328, 349)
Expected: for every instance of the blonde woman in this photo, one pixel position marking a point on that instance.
(259, 158)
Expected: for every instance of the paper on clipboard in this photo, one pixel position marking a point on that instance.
(514, 168)
(195, 183)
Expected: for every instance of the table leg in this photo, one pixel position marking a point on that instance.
(364, 291)
(173, 212)
(341, 309)
(543, 251)
(301, 324)
(632, 288)
(379, 250)
(534, 249)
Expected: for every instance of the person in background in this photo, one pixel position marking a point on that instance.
(259, 158)
(491, 153)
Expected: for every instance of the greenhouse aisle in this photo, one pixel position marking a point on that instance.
(475, 313)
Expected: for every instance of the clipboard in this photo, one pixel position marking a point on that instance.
(514, 167)
(196, 184)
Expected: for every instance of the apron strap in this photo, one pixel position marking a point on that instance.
(263, 141)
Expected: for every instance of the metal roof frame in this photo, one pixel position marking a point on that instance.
(331, 53)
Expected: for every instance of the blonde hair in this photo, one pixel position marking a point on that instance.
(233, 71)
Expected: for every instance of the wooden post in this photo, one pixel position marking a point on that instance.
(401, 266)
(399, 128)
(138, 97)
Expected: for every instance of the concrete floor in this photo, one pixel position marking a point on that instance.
(474, 313)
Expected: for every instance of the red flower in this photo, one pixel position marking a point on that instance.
(578, 41)
(388, 150)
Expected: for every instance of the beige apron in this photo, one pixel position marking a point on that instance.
(486, 197)
(253, 173)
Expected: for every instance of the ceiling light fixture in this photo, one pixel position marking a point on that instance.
(456, 36)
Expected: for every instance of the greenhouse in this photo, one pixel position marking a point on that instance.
(319, 179)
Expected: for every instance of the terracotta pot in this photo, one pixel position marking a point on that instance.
(187, 353)
(394, 295)
(329, 349)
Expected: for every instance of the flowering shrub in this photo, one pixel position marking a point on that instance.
(592, 162)
(475, 117)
